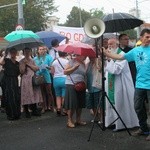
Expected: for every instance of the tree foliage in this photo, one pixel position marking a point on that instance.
(35, 15)
(73, 19)
(131, 33)
(97, 13)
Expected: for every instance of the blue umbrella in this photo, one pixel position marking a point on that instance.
(48, 36)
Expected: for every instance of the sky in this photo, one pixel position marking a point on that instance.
(65, 7)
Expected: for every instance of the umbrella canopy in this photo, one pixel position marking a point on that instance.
(116, 22)
(20, 34)
(23, 43)
(77, 48)
(48, 36)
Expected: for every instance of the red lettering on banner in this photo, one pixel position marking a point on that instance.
(78, 37)
(73, 36)
(81, 36)
(68, 35)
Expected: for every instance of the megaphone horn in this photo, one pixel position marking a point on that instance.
(94, 28)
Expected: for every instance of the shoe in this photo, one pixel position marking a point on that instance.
(70, 125)
(36, 113)
(148, 138)
(113, 126)
(138, 133)
(92, 121)
(81, 123)
(100, 123)
(64, 114)
(27, 115)
(10, 118)
(58, 113)
(115, 130)
(43, 111)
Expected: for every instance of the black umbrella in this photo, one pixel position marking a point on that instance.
(116, 22)
(23, 43)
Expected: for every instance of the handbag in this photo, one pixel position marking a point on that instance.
(97, 79)
(38, 80)
(80, 86)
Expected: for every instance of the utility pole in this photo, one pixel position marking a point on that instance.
(137, 15)
(20, 13)
(80, 13)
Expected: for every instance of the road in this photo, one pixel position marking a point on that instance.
(49, 132)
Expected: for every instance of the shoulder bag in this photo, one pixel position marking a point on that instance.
(79, 86)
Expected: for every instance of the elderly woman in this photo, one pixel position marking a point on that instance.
(30, 95)
(74, 100)
(10, 85)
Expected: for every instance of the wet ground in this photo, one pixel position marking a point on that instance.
(49, 132)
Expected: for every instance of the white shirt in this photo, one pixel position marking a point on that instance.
(53, 53)
(59, 71)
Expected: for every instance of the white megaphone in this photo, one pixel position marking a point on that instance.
(94, 28)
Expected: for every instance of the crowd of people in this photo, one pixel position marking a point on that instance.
(127, 84)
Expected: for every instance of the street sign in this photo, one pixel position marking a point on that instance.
(19, 27)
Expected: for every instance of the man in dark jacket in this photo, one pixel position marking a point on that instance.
(124, 46)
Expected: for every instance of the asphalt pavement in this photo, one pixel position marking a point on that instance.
(49, 132)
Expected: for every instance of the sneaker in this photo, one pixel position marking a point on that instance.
(138, 133)
(92, 120)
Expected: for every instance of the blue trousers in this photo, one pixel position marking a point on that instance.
(139, 103)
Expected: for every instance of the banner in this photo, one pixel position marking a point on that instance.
(74, 34)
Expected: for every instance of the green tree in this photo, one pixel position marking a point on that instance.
(35, 15)
(73, 19)
(95, 12)
(8, 17)
(131, 33)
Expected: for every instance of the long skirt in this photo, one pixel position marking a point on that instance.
(12, 97)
